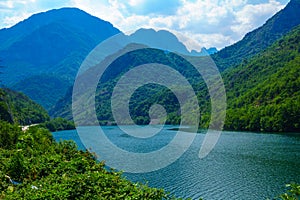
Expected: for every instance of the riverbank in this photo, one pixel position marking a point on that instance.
(40, 168)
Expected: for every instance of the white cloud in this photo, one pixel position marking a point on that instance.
(148, 7)
(212, 40)
(8, 21)
(108, 10)
(13, 11)
(135, 2)
(212, 22)
(252, 16)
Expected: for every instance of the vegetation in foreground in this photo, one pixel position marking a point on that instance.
(293, 192)
(34, 166)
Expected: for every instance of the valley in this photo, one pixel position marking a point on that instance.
(64, 70)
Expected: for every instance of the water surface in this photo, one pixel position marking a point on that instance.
(241, 166)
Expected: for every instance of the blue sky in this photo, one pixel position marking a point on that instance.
(217, 23)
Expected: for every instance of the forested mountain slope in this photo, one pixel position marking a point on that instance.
(264, 94)
(48, 48)
(143, 97)
(16, 107)
(262, 90)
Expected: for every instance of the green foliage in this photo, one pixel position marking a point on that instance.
(144, 97)
(5, 112)
(45, 169)
(8, 135)
(293, 192)
(17, 108)
(58, 124)
(264, 95)
(44, 89)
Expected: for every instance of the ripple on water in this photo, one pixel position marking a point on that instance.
(241, 166)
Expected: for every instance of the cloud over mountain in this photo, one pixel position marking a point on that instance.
(212, 23)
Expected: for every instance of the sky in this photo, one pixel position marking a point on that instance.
(212, 23)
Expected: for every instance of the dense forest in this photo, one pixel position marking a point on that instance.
(16, 107)
(52, 87)
(145, 96)
(264, 92)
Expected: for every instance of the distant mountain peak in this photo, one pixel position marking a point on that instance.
(66, 13)
(53, 42)
(168, 40)
(158, 39)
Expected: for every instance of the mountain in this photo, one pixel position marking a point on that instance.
(16, 107)
(170, 41)
(42, 54)
(47, 96)
(138, 53)
(259, 39)
(264, 92)
(51, 47)
(142, 99)
(211, 50)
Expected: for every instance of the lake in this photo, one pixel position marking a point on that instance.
(241, 166)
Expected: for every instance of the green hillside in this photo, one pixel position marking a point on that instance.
(264, 94)
(16, 107)
(51, 87)
(144, 97)
(262, 89)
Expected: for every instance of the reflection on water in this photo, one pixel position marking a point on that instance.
(241, 166)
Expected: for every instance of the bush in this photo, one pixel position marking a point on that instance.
(293, 192)
(8, 135)
(45, 169)
(58, 124)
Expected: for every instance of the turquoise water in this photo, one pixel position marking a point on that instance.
(241, 166)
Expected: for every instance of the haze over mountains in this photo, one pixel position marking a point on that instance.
(43, 62)
(42, 54)
(51, 42)
(48, 48)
